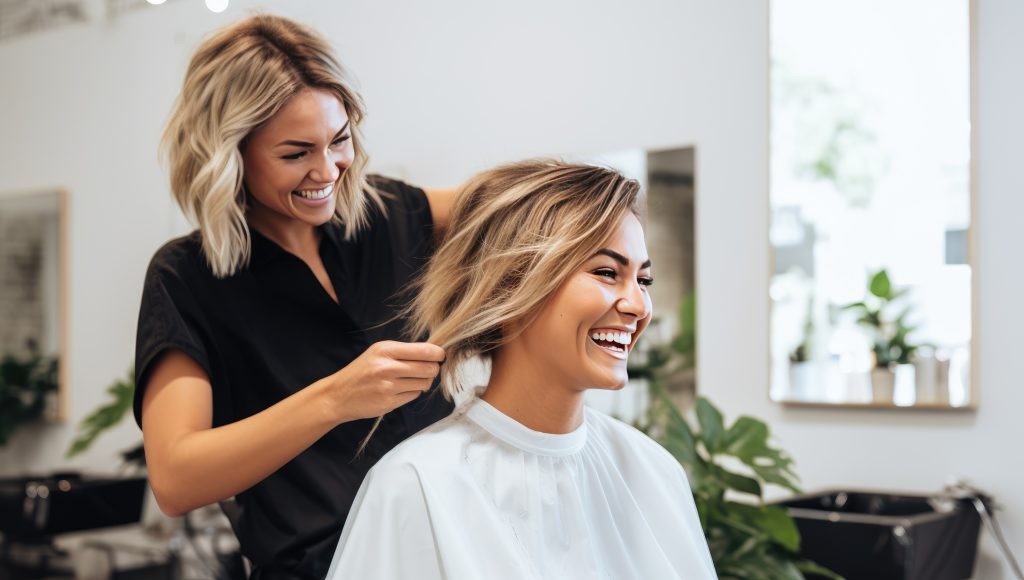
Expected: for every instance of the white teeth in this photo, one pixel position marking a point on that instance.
(623, 338)
(317, 194)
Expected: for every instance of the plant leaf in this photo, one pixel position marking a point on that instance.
(880, 285)
(712, 429)
(779, 526)
(741, 483)
(746, 438)
(121, 393)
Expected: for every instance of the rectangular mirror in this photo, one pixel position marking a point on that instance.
(870, 203)
(32, 292)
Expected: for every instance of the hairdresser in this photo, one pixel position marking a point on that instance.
(267, 339)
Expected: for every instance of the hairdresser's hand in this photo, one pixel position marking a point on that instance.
(388, 375)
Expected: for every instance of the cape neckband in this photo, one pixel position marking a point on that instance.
(518, 435)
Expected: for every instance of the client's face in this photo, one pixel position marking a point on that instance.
(585, 332)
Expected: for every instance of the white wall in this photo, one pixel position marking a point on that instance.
(458, 85)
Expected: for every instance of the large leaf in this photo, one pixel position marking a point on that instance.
(746, 438)
(779, 527)
(777, 476)
(712, 428)
(680, 448)
(745, 525)
(677, 429)
(740, 483)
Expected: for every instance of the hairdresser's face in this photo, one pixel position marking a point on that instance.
(294, 161)
(585, 332)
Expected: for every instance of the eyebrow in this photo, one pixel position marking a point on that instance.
(619, 257)
(307, 145)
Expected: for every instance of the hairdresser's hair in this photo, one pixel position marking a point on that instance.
(517, 233)
(237, 80)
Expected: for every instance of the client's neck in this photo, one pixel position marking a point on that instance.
(531, 395)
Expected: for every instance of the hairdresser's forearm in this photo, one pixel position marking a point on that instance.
(210, 465)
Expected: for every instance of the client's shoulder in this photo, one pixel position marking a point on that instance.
(627, 444)
(606, 425)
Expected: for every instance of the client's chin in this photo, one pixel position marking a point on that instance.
(609, 382)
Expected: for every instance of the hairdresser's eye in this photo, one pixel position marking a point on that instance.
(295, 156)
(605, 272)
(648, 281)
(340, 140)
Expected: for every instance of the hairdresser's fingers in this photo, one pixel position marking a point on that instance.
(407, 385)
(419, 351)
(405, 398)
(418, 370)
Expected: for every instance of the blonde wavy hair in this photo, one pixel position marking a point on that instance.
(237, 80)
(517, 233)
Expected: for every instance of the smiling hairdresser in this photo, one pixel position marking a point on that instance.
(266, 337)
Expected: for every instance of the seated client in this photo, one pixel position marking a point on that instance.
(545, 272)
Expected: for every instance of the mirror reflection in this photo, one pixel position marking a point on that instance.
(31, 307)
(870, 203)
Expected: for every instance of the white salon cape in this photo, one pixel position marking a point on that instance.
(478, 496)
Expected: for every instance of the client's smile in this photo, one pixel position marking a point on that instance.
(614, 341)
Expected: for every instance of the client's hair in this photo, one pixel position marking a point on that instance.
(516, 234)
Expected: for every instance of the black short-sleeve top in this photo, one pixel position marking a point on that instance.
(270, 330)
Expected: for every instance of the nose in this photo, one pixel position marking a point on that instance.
(634, 301)
(326, 169)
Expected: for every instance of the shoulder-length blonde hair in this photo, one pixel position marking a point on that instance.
(517, 233)
(237, 80)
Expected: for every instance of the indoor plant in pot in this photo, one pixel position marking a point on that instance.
(728, 467)
(889, 334)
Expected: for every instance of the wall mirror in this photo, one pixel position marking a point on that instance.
(32, 303)
(871, 203)
(667, 182)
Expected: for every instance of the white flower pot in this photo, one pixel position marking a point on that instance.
(800, 377)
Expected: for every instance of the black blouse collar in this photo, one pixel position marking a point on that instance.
(265, 250)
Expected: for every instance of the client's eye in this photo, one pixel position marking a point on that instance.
(646, 281)
(606, 272)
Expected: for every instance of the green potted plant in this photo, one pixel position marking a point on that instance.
(26, 386)
(889, 334)
(729, 467)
